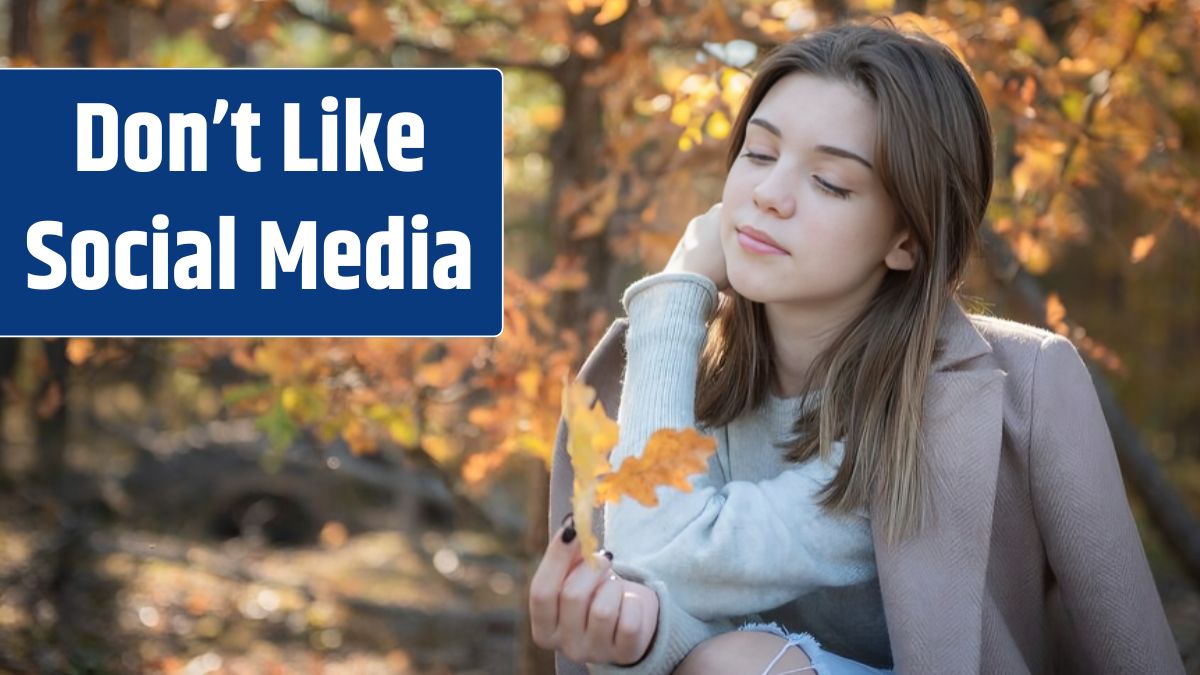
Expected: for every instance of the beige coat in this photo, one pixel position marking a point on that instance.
(1034, 563)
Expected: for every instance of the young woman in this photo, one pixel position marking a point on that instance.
(902, 484)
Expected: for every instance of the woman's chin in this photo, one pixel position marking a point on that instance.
(754, 285)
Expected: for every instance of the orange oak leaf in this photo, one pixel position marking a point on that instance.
(671, 455)
(591, 436)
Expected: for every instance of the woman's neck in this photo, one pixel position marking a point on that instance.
(799, 333)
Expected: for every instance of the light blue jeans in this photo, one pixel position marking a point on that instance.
(823, 662)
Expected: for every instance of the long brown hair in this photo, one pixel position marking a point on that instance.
(934, 158)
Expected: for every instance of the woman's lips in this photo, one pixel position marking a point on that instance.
(756, 241)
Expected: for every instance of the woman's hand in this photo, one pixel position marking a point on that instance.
(589, 613)
(699, 250)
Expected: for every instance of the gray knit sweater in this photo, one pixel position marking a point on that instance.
(749, 543)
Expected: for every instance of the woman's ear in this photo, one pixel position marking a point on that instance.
(903, 254)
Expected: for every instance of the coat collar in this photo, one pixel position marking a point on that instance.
(932, 584)
(961, 340)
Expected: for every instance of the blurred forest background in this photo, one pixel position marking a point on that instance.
(376, 505)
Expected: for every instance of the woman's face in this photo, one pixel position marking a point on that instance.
(804, 179)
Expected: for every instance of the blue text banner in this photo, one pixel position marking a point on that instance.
(251, 202)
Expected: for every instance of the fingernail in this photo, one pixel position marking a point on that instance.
(607, 553)
(570, 516)
(568, 534)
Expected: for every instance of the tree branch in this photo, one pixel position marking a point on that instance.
(343, 27)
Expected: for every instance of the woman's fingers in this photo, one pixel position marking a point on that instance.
(631, 642)
(699, 250)
(575, 602)
(580, 609)
(548, 581)
(603, 614)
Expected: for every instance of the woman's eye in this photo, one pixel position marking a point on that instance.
(840, 193)
(756, 157)
(828, 188)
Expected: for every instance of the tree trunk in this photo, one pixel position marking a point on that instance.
(50, 406)
(577, 157)
(86, 25)
(577, 161)
(531, 658)
(9, 348)
(22, 31)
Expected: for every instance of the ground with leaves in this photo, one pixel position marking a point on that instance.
(83, 589)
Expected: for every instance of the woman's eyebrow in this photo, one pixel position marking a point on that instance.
(827, 149)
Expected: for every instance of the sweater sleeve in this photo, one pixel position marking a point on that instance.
(722, 550)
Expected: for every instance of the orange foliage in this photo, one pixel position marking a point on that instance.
(670, 456)
(591, 435)
(668, 459)
(1104, 103)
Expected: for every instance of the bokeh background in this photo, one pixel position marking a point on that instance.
(377, 505)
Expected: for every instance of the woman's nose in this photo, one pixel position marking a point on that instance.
(771, 195)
